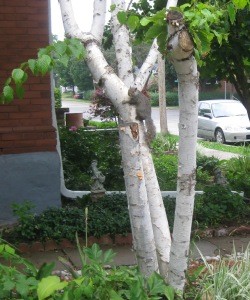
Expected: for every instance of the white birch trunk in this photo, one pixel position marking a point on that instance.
(159, 221)
(135, 178)
(162, 95)
(186, 68)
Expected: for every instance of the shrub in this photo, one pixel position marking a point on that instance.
(166, 171)
(218, 205)
(237, 171)
(81, 147)
(58, 97)
(171, 99)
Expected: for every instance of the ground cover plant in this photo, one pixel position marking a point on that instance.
(227, 278)
(19, 279)
(218, 206)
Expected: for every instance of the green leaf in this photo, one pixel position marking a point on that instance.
(145, 21)
(114, 296)
(8, 284)
(20, 91)
(240, 4)
(133, 22)
(108, 256)
(60, 47)
(8, 81)
(154, 31)
(112, 7)
(8, 93)
(122, 17)
(169, 292)
(155, 284)
(9, 249)
(17, 75)
(32, 63)
(43, 64)
(231, 12)
(45, 270)
(64, 60)
(47, 286)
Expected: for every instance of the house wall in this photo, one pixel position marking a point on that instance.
(29, 162)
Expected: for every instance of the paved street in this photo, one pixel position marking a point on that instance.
(172, 114)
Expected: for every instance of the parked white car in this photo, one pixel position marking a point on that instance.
(223, 121)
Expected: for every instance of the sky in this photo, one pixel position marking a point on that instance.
(83, 10)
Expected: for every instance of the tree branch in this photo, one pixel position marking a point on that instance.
(98, 23)
(123, 49)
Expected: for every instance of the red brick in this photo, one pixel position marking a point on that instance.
(24, 248)
(92, 240)
(41, 114)
(105, 240)
(37, 247)
(5, 129)
(8, 108)
(123, 239)
(9, 123)
(19, 115)
(65, 243)
(17, 3)
(50, 245)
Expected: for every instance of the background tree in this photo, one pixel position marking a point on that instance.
(230, 60)
(80, 74)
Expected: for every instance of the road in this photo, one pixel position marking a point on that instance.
(172, 114)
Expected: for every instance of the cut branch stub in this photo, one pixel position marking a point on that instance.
(180, 43)
(133, 129)
(185, 41)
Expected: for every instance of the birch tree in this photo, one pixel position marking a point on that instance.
(151, 235)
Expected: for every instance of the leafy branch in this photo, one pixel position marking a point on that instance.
(204, 21)
(45, 62)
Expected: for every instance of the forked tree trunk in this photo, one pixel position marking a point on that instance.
(131, 135)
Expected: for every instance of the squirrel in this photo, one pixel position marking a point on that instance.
(143, 111)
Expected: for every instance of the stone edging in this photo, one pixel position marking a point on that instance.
(120, 239)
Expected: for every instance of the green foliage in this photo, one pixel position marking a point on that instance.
(164, 144)
(94, 282)
(229, 279)
(19, 278)
(218, 205)
(107, 216)
(171, 99)
(166, 171)
(44, 63)
(58, 97)
(237, 171)
(81, 147)
(103, 124)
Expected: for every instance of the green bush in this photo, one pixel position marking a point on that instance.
(22, 280)
(166, 171)
(218, 205)
(237, 171)
(213, 95)
(88, 95)
(58, 97)
(79, 148)
(171, 99)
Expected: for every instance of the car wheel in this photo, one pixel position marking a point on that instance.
(219, 136)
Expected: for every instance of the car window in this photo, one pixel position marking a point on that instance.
(204, 108)
(228, 109)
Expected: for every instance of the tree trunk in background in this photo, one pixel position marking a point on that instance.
(162, 95)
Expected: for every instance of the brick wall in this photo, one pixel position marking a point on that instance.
(26, 124)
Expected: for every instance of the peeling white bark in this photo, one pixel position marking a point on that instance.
(181, 49)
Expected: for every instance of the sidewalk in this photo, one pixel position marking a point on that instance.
(209, 247)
